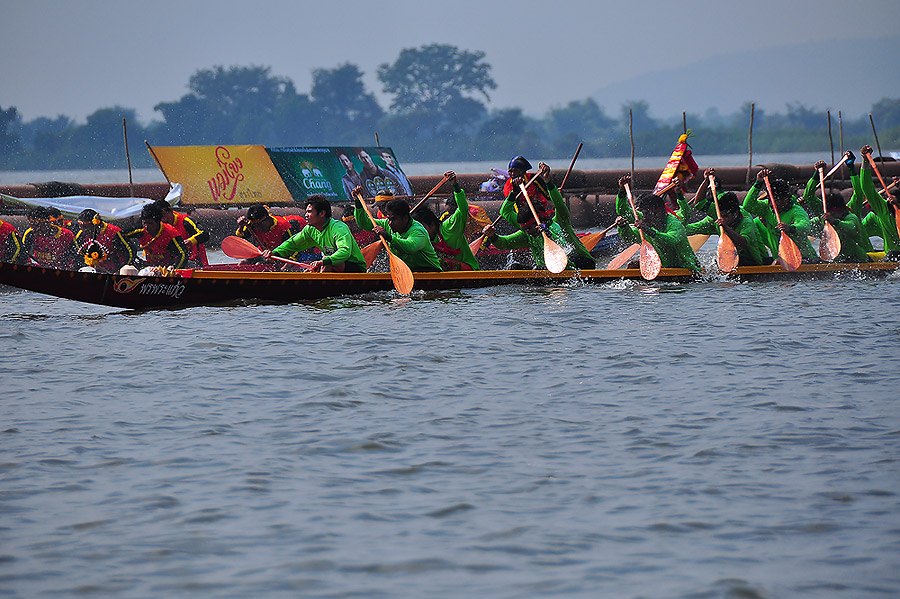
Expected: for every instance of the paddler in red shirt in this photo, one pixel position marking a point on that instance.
(162, 244)
(48, 244)
(114, 252)
(10, 246)
(268, 231)
(193, 236)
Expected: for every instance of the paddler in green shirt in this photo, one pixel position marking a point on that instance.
(880, 221)
(448, 237)
(662, 230)
(794, 219)
(340, 252)
(407, 238)
(855, 243)
(739, 227)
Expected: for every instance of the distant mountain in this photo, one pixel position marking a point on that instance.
(847, 75)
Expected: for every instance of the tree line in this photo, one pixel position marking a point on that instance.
(440, 111)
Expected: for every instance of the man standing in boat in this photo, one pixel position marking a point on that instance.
(10, 246)
(162, 244)
(48, 244)
(115, 252)
(340, 252)
(448, 237)
(407, 238)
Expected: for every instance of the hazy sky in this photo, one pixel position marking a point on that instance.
(73, 57)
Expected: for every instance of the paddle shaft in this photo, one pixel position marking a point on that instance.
(156, 159)
(634, 210)
(429, 194)
(836, 166)
(571, 165)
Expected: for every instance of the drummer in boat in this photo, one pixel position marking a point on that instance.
(194, 237)
(268, 231)
(48, 244)
(340, 252)
(10, 244)
(661, 229)
(101, 244)
(162, 244)
(448, 236)
(407, 238)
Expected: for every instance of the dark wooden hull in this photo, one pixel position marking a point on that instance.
(213, 287)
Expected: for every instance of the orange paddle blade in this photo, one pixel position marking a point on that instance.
(830, 246)
(370, 252)
(697, 241)
(623, 258)
(592, 239)
(401, 274)
(650, 262)
(239, 249)
(555, 258)
(475, 246)
(788, 253)
(726, 254)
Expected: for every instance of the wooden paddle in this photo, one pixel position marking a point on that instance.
(428, 195)
(555, 258)
(884, 190)
(788, 252)
(836, 166)
(625, 256)
(371, 251)
(591, 240)
(401, 275)
(830, 246)
(726, 253)
(476, 244)
(158, 163)
(571, 164)
(650, 262)
(241, 249)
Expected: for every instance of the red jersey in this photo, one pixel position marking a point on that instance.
(55, 249)
(538, 194)
(165, 248)
(188, 230)
(110, 238)
(10, 247)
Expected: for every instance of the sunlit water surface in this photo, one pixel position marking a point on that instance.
(624, 440)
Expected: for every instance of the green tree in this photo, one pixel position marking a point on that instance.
(10, 143)
(430, 79)
(347, 110)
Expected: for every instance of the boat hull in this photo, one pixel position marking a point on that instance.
(214, 287)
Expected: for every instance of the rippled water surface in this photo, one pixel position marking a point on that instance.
(703, 440)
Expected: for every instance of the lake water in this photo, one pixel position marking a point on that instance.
(625, 440)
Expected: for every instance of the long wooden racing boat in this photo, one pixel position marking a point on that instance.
(221, 286)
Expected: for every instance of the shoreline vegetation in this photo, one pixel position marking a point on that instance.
(436, 115)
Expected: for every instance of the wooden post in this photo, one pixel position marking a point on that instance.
(128, 157)
(841, 134)
(877, 144)
(377, 142)
(631, 136)
(684, 121)
(750, 142)
(830, 137)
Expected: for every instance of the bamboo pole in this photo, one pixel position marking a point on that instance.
(750, 142)
(841, 132)
(128, 157)
(377, 142)
(877, 143)
(631, 136)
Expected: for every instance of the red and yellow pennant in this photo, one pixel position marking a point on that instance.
(681, 164)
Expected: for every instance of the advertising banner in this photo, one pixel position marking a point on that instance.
(336, 171)
(224, 175)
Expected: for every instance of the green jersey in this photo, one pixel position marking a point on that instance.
(335, 240)
(453, 234)
(413, 246)
(670, 243)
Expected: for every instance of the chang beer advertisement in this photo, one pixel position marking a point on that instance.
(336, 171)
(223, 175)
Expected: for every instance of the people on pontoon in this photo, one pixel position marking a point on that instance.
(340, 252)
(448, 236)
(406, 237)
(113, 252)
(47, 243)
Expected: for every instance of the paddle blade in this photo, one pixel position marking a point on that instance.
(592, 239)
(830, 246)
(555, 258)
(697, 241)
(650, 262)
(370, 252)
(726, 254)
(401, 275)
(475, 246)
(788, 253)
(623, 258)
(239, 249)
